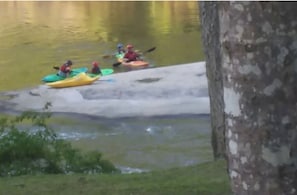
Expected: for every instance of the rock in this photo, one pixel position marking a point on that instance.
(173, 90)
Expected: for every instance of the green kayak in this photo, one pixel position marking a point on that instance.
(104, 71)
(74, 72)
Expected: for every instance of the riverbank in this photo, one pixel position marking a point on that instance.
(207, 179)
(174, 90)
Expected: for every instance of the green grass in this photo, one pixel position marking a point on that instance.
(204, 179)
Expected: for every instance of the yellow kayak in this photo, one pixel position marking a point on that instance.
(78, 80)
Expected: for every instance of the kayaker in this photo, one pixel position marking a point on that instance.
(120, 48)
(96, 68)
(131, 55)
(65, 69)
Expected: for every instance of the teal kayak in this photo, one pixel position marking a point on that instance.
(74, 72)
(56, 77)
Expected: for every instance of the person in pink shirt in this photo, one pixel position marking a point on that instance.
(131, 55)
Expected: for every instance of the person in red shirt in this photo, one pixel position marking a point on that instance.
(65, 69)
(131, 55)
(95, 68)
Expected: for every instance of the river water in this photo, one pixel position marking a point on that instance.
(36, 35)
(140, 144)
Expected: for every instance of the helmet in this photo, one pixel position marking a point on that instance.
(120, 45)
(129, 46)
(69, 63)
(95, 63)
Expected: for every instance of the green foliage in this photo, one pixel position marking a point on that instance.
(23, 152)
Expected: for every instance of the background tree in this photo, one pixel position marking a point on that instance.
(210, 37)
(259, 70)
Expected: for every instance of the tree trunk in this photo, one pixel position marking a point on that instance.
(259, 64)
(210, 36)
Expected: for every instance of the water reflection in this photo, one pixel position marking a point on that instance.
(104, 20)
(35, 35)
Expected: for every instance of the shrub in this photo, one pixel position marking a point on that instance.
(22, 152)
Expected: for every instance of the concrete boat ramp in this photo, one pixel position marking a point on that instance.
(174, 90)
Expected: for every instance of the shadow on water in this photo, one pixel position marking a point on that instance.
(139, 144)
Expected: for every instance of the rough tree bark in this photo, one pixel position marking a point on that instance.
(210, 36)
(259, 67)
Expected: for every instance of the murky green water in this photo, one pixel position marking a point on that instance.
(143, 143)
(36, 35)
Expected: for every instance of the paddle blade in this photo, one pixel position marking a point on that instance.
(56, 68)
(150, 50)
(106, 56)
(117, 64)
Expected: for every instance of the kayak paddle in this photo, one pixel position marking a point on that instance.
(57, 68)
(147, 51)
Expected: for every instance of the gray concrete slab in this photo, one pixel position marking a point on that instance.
(174, 90)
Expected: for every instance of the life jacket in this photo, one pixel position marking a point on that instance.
(131, 56)
(96, 70)
(64, 68)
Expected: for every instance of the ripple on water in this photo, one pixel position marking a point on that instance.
(129, 170)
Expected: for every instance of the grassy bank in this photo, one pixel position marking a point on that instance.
(204, 179)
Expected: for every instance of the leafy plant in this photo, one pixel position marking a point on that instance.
(24, 152)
